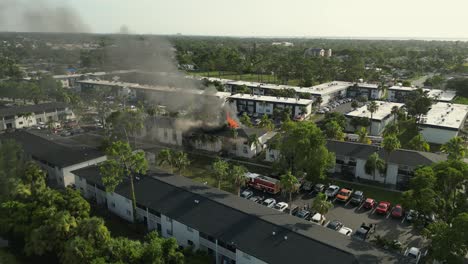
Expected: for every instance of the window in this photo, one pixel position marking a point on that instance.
(245, 150)
(113, 204)
(190, 242)
(168, 219)
(165, 134)
(20, 122)
(129, 212)
(169, 232)
(174, 136)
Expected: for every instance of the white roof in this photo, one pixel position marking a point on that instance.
(445, 115)
(402, 88)
(368, 85)
(382, 112)
(441, 95)
(271, 99)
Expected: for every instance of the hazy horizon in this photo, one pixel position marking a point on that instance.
(360, 19)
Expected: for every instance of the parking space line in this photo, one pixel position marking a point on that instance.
(334, 199)
(346, 204)
(360, 206)
(403, 220)
(388, 215)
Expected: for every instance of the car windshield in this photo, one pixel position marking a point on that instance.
(356, 195)
(343, 193)
(302, 214)
(382, 206)
(278, 206)
(334, 224)
(331, 189)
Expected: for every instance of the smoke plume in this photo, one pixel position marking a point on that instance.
(38, 16)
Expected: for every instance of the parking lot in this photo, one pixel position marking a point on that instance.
(353, 216)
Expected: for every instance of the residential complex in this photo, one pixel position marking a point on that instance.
(443, 122)
(380, 118)
(399, 93)
(17, 117)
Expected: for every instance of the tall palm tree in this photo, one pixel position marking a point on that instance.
(372, 107)
(363, 136)
(374, 163)
(265, 122)
(418, 143)
(455, 148)
(391, 129)
(180, 160)
(237, 177)
(254, 140)
(321, 205)
(289, 185)
(319, 101)
(221, 170)
(165, 158)
(390, 144)
(395, 110)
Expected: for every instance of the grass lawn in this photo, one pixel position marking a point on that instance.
(8, 258)
(372, 192)
(461, 100)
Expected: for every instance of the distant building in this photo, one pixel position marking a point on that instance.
(443, 122)
(18, 117)
(399, 93)
(317, 52)
(380, 118)
(284, 44)
(368, 90)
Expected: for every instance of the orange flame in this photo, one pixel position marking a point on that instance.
(231, 122)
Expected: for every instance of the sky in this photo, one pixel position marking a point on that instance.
(294, 18)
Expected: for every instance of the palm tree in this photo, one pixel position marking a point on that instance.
(363, 136)
(418, 143)
(221, 170)
(237, 177)
(254, 140)
(390, 144)
(455, 148)
(321, 205)
(265, 122)
(289, 185)
(180, 160)
(165, 158)
(319, 101)
(372, 107)
(374, 163)
(395, 110)
(391, 129)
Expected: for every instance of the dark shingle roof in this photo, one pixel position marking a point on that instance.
(400, 156)
(247, 225)
(47, 107)
(51, 151)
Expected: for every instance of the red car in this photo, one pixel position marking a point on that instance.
(397, 211)
(383, 207)
(369, 203)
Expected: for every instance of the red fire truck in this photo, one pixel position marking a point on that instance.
(263, 183)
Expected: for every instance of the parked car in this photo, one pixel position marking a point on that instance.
(247, 194)
(411, 215)
(344, 195)
(281, 206)
(383, 207)
(335, 225)
(307, 186)
(256, 199)
(397, 211)
(363, 232)
(415, 254)
(332, 191)
(319, 188)
(357, 198)
(345, 231)
(293, 209)
(270, 202)
(369, 203)
(318, 219)
(304, 214)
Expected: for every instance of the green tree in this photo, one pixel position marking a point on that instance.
(455, 148)
(374, 163)
(180, 160)
(390, 144)
(321, 205)
(302, 148)
(289, 185)
(12, 162)
(122, 163)
(236, 175)
(363, 136)
(419, 143)
(372, 107)
(418, 103)
(354, 105)
(221, 171)
(165, 158)
(266, 123)
(245, 120)
(339, 118)
(334, 131)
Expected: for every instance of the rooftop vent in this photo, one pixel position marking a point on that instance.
(197, 201)
(273, 233)
(285, 237)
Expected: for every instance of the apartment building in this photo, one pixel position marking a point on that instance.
(17, 117)
(230, 228)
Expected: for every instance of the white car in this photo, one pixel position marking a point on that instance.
(318, 219)
(247, 194)
(345, 231)
(281, 206)
(332, 190)
(414, 253)
(270, 202)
